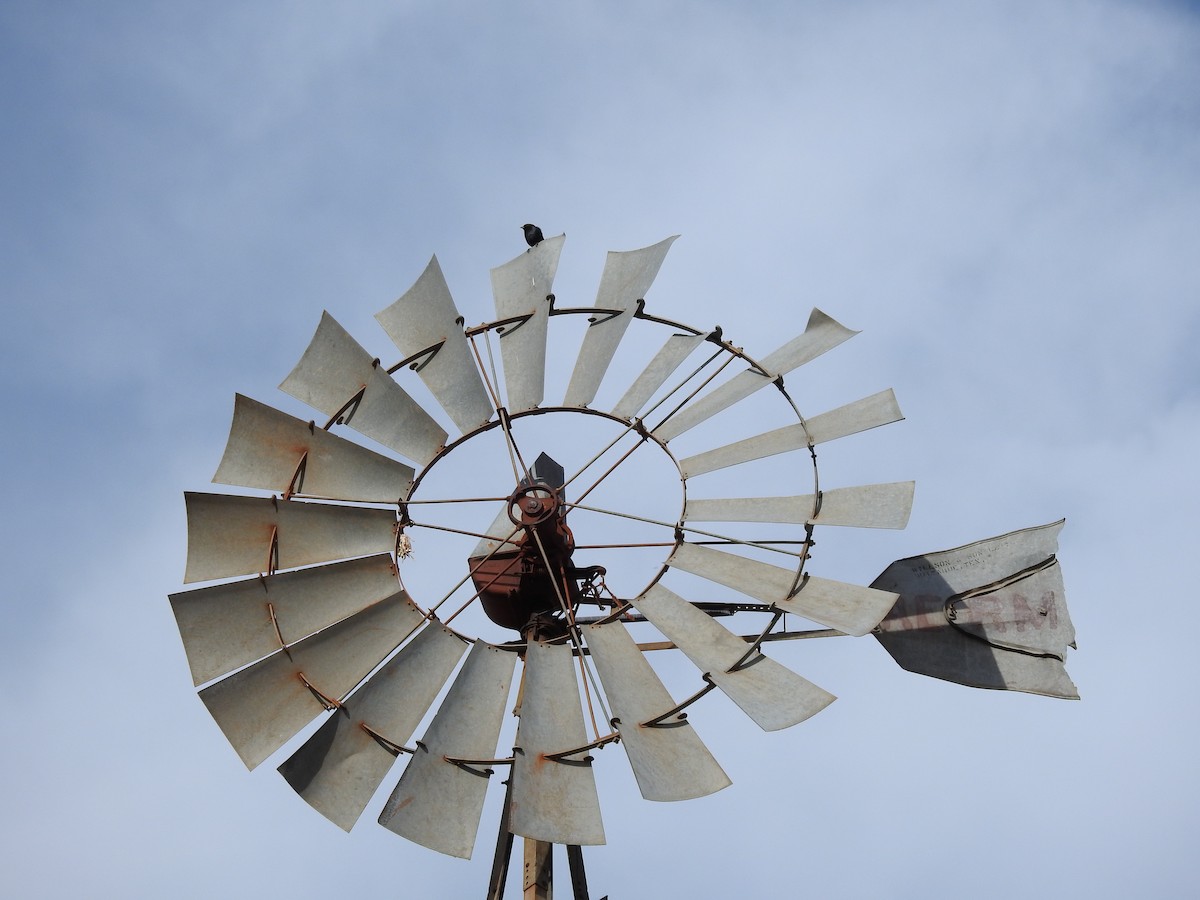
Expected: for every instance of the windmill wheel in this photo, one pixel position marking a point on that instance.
(369, 579)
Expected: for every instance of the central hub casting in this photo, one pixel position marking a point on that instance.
(530, 583)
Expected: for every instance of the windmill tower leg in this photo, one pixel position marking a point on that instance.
(504, 842)
(578, 875)
(539, 870)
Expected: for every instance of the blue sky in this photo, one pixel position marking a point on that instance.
(1003, 197)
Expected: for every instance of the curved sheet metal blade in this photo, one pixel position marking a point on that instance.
(229, 625)
(522, 287)
(271, 450)
(626, 278)
(335, 369)
(669, 761)
(426, 317)
(337, 770)
(438, 804)
(991, 614)
(498, 533)
(861, 415)
(773, 696)
(862, 506)
(553, 800)
(229, 535)
(262, 706)
(677, 348)
(849, 608)
(821, 335)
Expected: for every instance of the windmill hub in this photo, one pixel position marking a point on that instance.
(530, 584)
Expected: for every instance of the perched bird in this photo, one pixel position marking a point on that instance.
(533, 235)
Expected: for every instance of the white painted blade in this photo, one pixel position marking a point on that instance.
(229, 535)
(438, 804)
(521, 287)
(626, 278)
(821, 335)
(773, 696)
(260, 707)
(337, 770)
(849, 608)
(427, 317)
(335, 368)
(267, 446)
(863, 506)
(669, 761)
(669, 357)
(553, 800)
(861, 415)
(229, 625)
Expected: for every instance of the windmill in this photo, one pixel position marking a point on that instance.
(368, 592)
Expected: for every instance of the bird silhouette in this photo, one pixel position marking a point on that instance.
(533, 235)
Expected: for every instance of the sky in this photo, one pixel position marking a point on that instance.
(1001, 197)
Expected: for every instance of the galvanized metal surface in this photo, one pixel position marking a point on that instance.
(861, 415)
(669, 357)
(821, 335)
(335, 369)
(521, 288)
(262, 706)
(498, 533)
(670, 762)
(553, 800)
(271, 450)
(437, 803)
(337, 770)
(230, 536)
(862, 506)
(991, 614)
(426, 316)
(229, 625)
(773, 696)
(850, 608)
(626, 279)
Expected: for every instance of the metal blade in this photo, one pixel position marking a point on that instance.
(669, 357)
(669, 760)
(522, 287)
(847, 607)
(427, 317)
(626, 279)
(230, 535)
(271, 450)
(229, 625)
(864, 506)
(338, 769)
(437, 803)
(262, 706)
(773, 696)
(498, 532)
(553, 800)
(335, 370)
(992, 614)
(821, 335)
(869, 412)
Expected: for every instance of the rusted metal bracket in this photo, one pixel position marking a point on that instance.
(678, 710)
(390, 746)
(328, 702)
(561, 755)
(752, 650)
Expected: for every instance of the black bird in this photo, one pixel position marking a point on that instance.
(533, 235)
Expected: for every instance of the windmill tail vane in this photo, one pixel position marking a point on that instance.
(303, 610)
